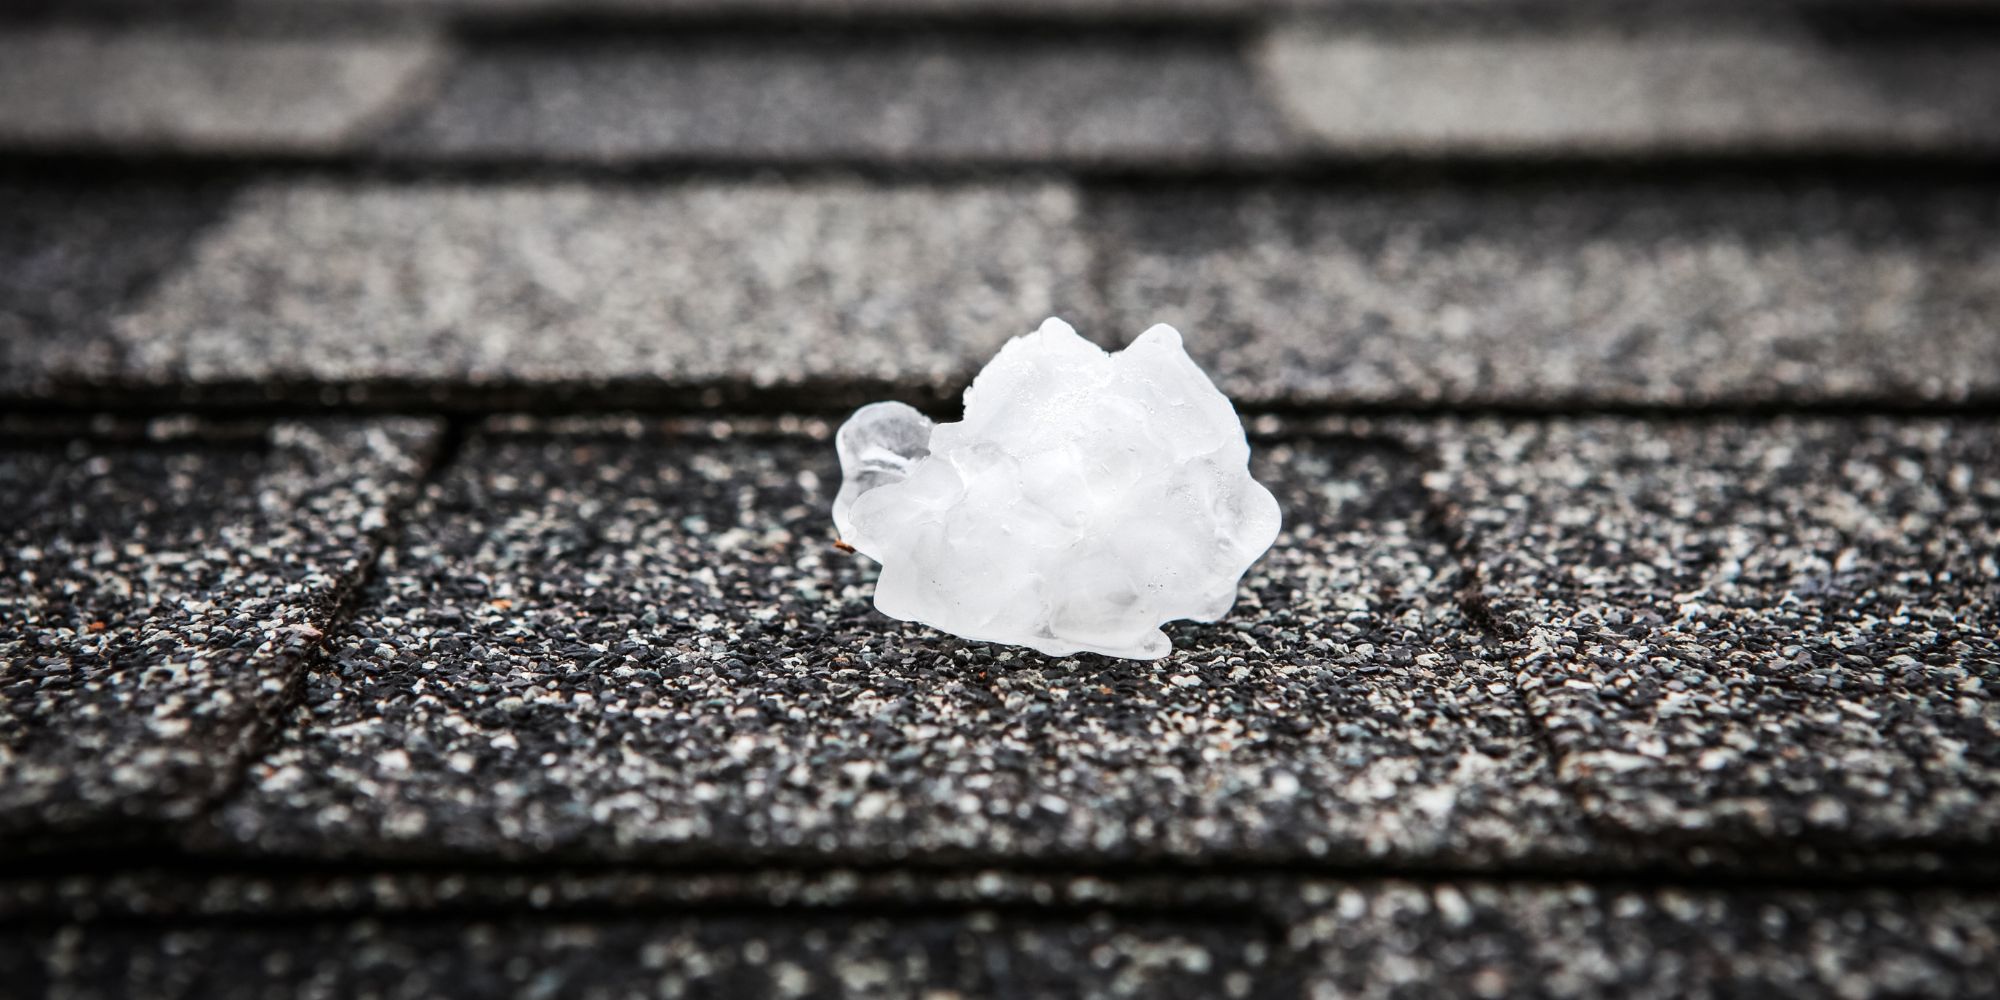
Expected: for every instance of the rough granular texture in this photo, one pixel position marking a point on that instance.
(1590, 290)
(464, 285)
(603, 646)
(996, 934)
(1738, 630)
(161, 594)
(776, 954)
(936, 97)
(73, 253)
(1467, 938)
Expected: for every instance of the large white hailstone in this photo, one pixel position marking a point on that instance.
(1085, 499)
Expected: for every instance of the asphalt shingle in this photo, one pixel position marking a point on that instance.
(1399, 940)
(1610, 91)
(1110, 87)
(160, 597)
(1547, 293)
(72, 254)
(638, 293)
(720, 956)
(882, 98)
(1737, 631)
(630, 645)
(702, 293)
(164, 90)
(1033, 936)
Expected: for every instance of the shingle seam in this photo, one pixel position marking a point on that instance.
(343, 605)
(198, 869)
(1443, 518)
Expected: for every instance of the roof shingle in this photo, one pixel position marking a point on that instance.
(161, 597)
(161, 90)
(1734, 631)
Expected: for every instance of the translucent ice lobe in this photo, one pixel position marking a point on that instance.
(1085, 499)
(879, 445)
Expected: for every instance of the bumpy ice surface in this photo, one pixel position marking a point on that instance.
(1085, 499)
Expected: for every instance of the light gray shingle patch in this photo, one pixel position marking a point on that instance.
(1609, 92)
(892, 99)
(70, 88)
(1545, 293)
(464, 286)
(647, 647)
(160, 597)
(1746, 630)
(71, 255)
(1401, 939)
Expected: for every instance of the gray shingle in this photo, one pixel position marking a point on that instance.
(903, 934)
(1546, 293)
(1398, 940)
(1608, 91)
(665, 290)
(331, 892)
(647, 647)
(1736, 631)
(1510, 294)
(706, 955)
(886, 98)
(161, 89)
(160, 598)
(72, 255)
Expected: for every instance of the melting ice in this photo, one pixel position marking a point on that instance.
(1086, 498)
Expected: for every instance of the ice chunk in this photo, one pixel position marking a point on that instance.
(878, 445)
(1085, 499)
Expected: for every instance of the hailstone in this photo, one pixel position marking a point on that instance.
(1085, 499)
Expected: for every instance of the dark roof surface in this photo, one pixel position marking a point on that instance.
(415, 465)
(162, 594)
(1753, 630)
(646, 648)
(1369, 939)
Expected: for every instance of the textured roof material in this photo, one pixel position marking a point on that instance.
(920, 98)
(1740, 631)
(71, 255)
(647, 647)
(162, 596)
(162, 90)
(1612, 91)
(1184, 86)
(850, 934)
(1553, 293)
(827, 292)
(663, 289)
